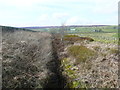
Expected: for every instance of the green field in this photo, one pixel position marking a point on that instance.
(102, 37)
(102, 28)
(106, 34)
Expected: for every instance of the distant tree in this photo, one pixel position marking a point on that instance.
(62, 30)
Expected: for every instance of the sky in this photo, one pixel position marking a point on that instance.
(25, 13)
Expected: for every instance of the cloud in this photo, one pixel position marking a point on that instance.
(52, 19)
(78, 20)
(60, 15)
(106, 7)
(55, 12)
(43, 17)
(73, 20)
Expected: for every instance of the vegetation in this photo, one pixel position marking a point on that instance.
(81, 53)
(114, 51)
(97, 48)
(24, 59)
(105, 34)
(95, 62)
(102, 37)
(70, 35)
(33, 59)
(71, 39)
(70, 71)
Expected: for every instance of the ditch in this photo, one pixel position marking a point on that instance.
(57, 80)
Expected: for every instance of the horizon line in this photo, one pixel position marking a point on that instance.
(61, 25)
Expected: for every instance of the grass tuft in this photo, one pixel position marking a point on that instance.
(114, 51)
(81, 53)
(71, 35)
(75, 38)
(71, 75)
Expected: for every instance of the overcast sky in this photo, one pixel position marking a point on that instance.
(55, 12)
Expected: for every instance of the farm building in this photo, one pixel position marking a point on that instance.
(97, 30)
(73, 29)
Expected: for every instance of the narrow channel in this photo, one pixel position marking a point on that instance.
(57, 80)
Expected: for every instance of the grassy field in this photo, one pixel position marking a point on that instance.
(105, 34)
(108, 34)
(103, 28)
(102, 37)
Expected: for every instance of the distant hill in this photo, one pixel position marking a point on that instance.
(40, 27)
(12, 29)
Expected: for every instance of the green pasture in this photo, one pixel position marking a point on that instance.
(108, 34)
(102, 37)
(111, 29)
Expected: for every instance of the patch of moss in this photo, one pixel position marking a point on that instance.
(71, 75)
